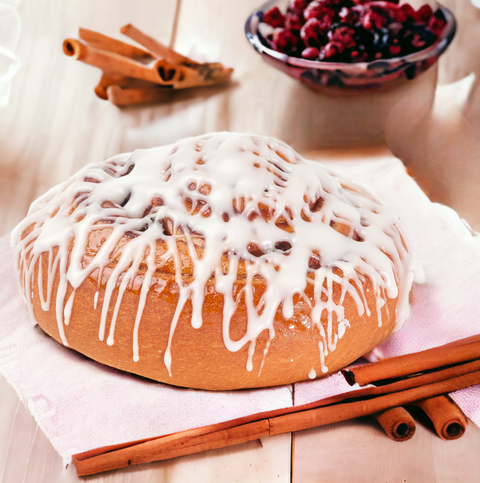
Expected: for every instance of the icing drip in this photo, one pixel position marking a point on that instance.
(68, 308)
(239, 204)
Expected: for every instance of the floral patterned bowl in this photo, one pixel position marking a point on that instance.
(320, 75)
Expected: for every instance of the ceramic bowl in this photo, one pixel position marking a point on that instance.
(320, 75)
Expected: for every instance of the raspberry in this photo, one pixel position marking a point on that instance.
(380, 14)
(395, 50)
(332, 49)
(310, 53)
(294, 20)
(350, 16)
(312, 10)
(398, 14)
(320, 12)
(423, 14)
(408, 11)
(418, 42)
(300, 4)
(357, 56)
(436, 25)
(395, 28)
(353, 30)
(312, 33)
(285, 41)
(274, 18)
(381, 5)
(367, 21)
(335, 4)
(344, 36)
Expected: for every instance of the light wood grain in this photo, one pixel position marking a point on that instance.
(436, 142)
(442, 148)
(55, 124)
(269, 102)
(358, 452)
(463, 56)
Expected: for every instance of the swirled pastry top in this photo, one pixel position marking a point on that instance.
(243, 206)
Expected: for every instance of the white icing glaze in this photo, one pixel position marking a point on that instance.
(210, 187)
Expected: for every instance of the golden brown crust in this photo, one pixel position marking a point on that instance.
(238, 213)
(199, 356)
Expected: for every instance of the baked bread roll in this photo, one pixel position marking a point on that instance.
(221, 262)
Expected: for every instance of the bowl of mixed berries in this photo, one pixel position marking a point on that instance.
(350, 44)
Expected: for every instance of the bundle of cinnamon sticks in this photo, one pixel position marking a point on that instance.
(133, 75)
(399, 381)
(446, 418)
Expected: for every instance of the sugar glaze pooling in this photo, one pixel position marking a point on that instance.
(246, 197)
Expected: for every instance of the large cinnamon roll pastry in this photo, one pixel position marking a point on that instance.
(223, 261)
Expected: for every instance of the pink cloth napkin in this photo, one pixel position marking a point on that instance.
(80, 404)
(444, 308)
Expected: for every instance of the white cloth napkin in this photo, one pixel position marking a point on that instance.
(81, 405)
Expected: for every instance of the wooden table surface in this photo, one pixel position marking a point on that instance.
(54, 125)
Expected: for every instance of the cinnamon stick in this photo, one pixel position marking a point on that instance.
(133, 73)
(136, 95)
(293, 419)
(413, 363)
(447, 418)
(111, 79)
(182, 77)
(110, 61)
(159, 72)
(195, 73)
(104, 42)
(397, 423)
(208, 74)
(298, 421)
(358, 394)
(153, 451)
(158, 49)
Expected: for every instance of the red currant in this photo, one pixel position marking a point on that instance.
(274, 18)
(424, 14)
(310, 53)
(285, 41)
